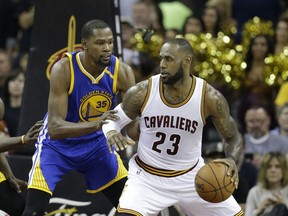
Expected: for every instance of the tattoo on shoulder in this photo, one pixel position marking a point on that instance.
(135, 97)
(220, 102)
(221, 116)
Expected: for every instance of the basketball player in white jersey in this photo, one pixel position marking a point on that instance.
(172, 108)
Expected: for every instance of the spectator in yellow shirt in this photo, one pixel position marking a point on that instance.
(282, 95)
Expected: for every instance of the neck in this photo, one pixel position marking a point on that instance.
(180, 84)
(275, 186)
(210, 30)
(179, 91)
(90, 65)
(258, 62)
(15, 101)
(258, 140)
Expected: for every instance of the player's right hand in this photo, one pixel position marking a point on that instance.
(232, 169)
(108, 115)
(117, 140)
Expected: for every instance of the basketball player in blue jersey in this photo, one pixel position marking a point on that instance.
(83, 88)
(11, 201)
(172, 108)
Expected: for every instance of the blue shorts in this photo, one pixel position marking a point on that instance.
(92, 159)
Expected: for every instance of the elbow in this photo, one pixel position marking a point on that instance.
(52, 133)
(53, 130)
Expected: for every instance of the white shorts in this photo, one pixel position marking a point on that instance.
(147, 194)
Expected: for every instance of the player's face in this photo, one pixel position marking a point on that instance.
(100, 46)
(171, 69)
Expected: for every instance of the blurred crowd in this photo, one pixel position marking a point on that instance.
(240, 47)
(16, 22)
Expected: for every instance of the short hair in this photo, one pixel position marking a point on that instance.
(182, 43)
(257, 106)
(262, 180)
(88, 27)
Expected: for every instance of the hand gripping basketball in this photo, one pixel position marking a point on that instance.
(213, 184)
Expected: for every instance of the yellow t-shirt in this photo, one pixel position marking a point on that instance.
(282, 96)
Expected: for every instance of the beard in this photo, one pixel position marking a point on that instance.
(103, 63)
(176, 77)
(257, 134)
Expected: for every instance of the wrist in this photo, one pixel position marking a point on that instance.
(111, 126)
(23, 140)
(110, 133)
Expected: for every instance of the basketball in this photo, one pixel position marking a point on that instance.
(212, 182)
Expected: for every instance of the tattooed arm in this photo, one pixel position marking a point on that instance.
(128, 110)
(217, 107)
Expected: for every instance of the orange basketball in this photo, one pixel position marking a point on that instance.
(212, 182)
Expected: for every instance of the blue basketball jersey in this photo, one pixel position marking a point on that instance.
(88, 99)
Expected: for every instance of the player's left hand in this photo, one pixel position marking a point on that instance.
(17, 184)
(117, 140)
(232, 169)
(32, 135)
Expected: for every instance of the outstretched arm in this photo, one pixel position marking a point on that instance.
(217, 107)
(30, 137)
(128, 110)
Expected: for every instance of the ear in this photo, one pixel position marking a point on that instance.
(188, 60)
(84, 43)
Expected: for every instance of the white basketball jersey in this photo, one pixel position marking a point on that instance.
(171, 134)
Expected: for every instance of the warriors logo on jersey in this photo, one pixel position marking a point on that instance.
(94, 106)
